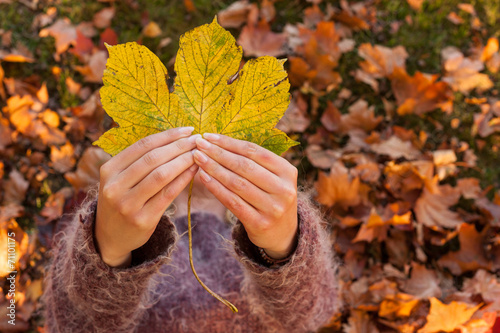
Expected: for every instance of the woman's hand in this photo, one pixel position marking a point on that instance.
(258, 186)
(136, 187)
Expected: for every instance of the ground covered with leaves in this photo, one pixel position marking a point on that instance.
(395, 104)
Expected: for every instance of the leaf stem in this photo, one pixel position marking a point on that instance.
(222, 300)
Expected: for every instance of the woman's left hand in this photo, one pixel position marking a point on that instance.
(256, 185)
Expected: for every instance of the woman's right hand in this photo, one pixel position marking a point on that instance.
(136, 187)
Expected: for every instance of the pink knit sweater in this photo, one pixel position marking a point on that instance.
(159, 293)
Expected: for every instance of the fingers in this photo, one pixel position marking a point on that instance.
(239, 207)
(241, 165)
(161, 200)
(152, 159)
(262, 156)
(160, 177)
(130, 154)
(232, 181)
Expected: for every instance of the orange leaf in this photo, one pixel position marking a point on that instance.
(447, 317)
(418, 94)
(338, 187)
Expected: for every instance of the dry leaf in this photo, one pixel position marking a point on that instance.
(64, 33)
(419, 94)
(338, 187)
(447, 317)
(102, 19)
(151, 30)
(87, 170)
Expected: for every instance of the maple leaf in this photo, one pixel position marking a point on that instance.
(209, 94)
(447, 317)
(136, 95)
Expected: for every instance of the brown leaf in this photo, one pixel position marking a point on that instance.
(258, 40)
(431, 209)
(87, 171)
(102, 19)
(485, 284)
(5, 134)
(463, 73)
(53, 208)
(360, 116)
(424, 283)
(236, 14)
(360, 322)
(380, 62)
(2, 89)
(419, 94)
(64, 33)
(189, 5)
(95, 67)
(396, 148)
(295, 118)
(338, 187)
(321, 158)
(15, 188)
(471, 255)
(63, 158)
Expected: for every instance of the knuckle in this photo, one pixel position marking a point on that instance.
(246, 164)
(151, 158)
(234, 203)
(159, 175)
(138, 221)
(168, 193)
(124, 207)
(145, 143)
(109, 192)
(294, 172)
(104, 171)
(238, 183)
(277, 211)
(250, 148)
(288, 193)
(179, 144)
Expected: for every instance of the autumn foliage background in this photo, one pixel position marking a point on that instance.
(395, 104)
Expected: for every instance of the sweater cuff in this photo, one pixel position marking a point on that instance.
(249, 254)
(151, 255)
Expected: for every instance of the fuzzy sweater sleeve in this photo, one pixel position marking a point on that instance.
(83, 294)
(301, 295)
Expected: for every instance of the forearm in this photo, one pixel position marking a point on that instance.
(302, 293)
(83, 294)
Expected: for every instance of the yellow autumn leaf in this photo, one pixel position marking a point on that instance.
(447, 317)
(209, 92)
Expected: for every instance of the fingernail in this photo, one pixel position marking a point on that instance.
(192, 138)
(204, 176)
(200, 156)
(211, 136)
(193, 167)
(203, 143)
(186, 130)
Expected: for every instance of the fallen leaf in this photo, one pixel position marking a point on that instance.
(258, 40)
(15, 188)
(235, 15)
(396, 148)
(415, 4)
(63, 158)
(423, 284)
(102, 19)
(95, 67)
(485, 284)
(360, 116)
(419, 94)
(360, 322)
(447, 317)
(471, 255)
(380, 62)
(463, 73)
(64, 33)
(337, 187)
(432, 208)
(151, 30)
(189, 5)
(87, 170)
(295, 118)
